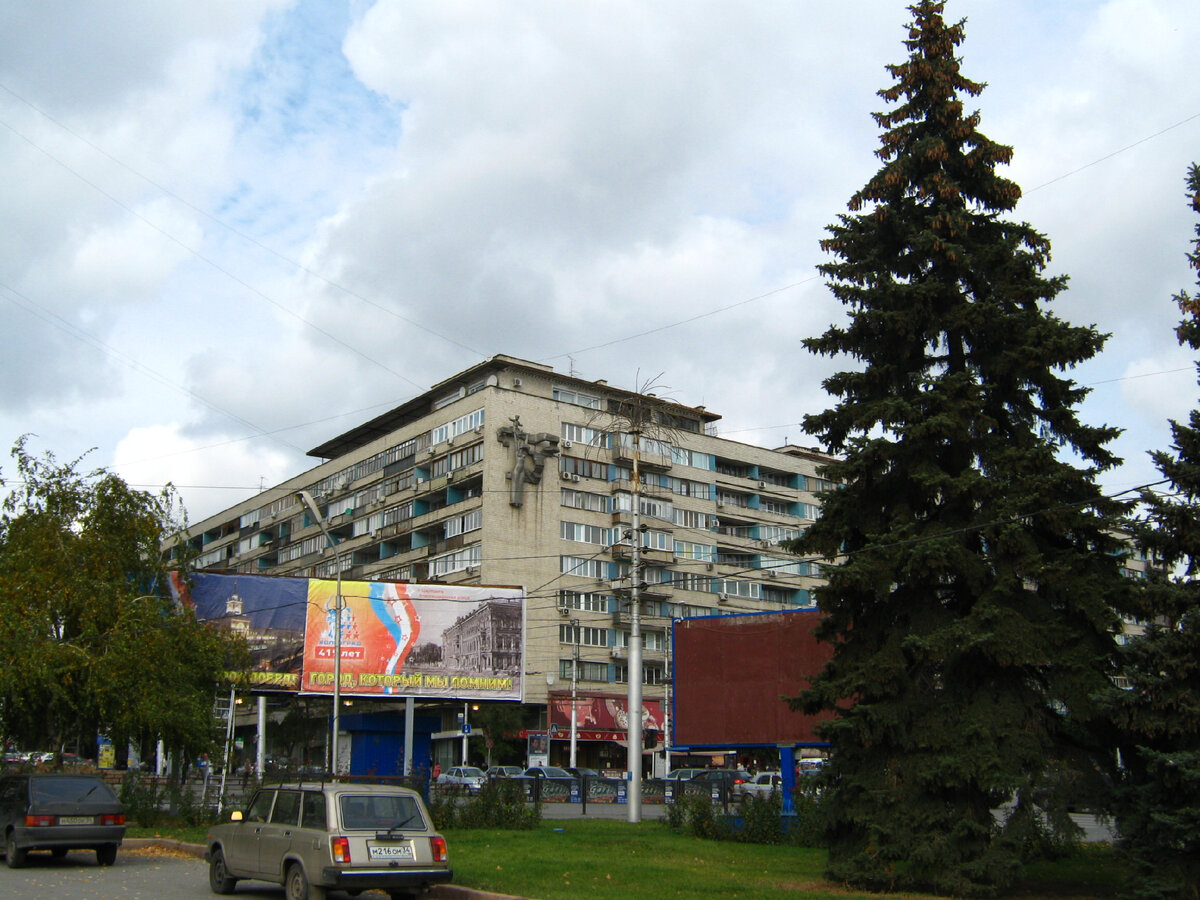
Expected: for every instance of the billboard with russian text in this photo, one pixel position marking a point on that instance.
(396, 638)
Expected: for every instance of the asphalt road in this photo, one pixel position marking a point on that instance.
(137, 875)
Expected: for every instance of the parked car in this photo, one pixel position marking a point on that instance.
(682, 774)
(580, 772)
(468, 777)
(726, 781)
(351, 837)
(762, 784)
(504, 771)
(554, 773)
(59, 813)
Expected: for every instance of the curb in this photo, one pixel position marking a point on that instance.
(168, 843)
(438, 892)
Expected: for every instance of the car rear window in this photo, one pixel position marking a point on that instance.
(72, 790)
(380, 811)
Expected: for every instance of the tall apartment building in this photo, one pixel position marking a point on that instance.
(510, 473)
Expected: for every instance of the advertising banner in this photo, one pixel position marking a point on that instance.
(397, 639)
(600, 717)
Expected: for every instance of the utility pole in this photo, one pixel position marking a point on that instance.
(634, 701)
(574, 688)
(338, 607)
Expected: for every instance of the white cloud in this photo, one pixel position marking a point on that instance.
(534, 178)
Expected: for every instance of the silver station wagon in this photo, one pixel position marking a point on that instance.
(313, 837)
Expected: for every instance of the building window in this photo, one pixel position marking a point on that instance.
(731, 498)
(586, 602)
(581, 434)
(461, 425)
(701, 552)
(565, 395)
(585, 468)
(651, 640)
(585, 534)
(587, 671)
(456, 561)
(690, 518)
(587, 636)
(736, 587)
(692, 581)
(651, 674)
(584, 567)
(584, 500)
(446, 400)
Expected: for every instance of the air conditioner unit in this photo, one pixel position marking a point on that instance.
(762, 484)
(472, 570)
(566, 445)
(722, 598)
(618, 652)
(479, 429)
(574, 477)
(565, 611)
(771, 573)
(450, 442)
(708, 567)
(449, 476)
(565, 476)
(516, 382)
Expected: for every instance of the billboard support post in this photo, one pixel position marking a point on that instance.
(335, 726)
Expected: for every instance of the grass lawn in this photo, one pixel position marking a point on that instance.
(614, 860)
(563, 860)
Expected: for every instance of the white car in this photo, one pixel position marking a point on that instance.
(469, 777)
(761, 785)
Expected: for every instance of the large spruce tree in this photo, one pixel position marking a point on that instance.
(1158, 796)
(971, 604)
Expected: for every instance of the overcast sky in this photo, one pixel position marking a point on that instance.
(234, 229)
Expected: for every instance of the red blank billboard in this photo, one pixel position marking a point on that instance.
(732, 674)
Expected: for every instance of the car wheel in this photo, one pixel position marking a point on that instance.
(14, 855)
(106, 855)
(58, 852)
(219, 878)
(296, 886)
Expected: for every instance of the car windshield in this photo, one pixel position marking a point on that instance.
(379, 812)
(555, 772)
(72, 790)
(471, 772)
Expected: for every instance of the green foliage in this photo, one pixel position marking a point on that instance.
(1158, 717)
(755, 820)
(499, 804)
(973, 585)
(90, 639)
(143, 799)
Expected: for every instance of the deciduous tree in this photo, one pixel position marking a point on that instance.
(91, 641)
(971, 604)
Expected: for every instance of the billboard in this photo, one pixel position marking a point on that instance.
(397, 639)
(733, 675)
(600, 717)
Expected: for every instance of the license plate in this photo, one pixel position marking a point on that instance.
(391, 851)
(76, 820)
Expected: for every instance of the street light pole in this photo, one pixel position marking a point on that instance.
(307, 500)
